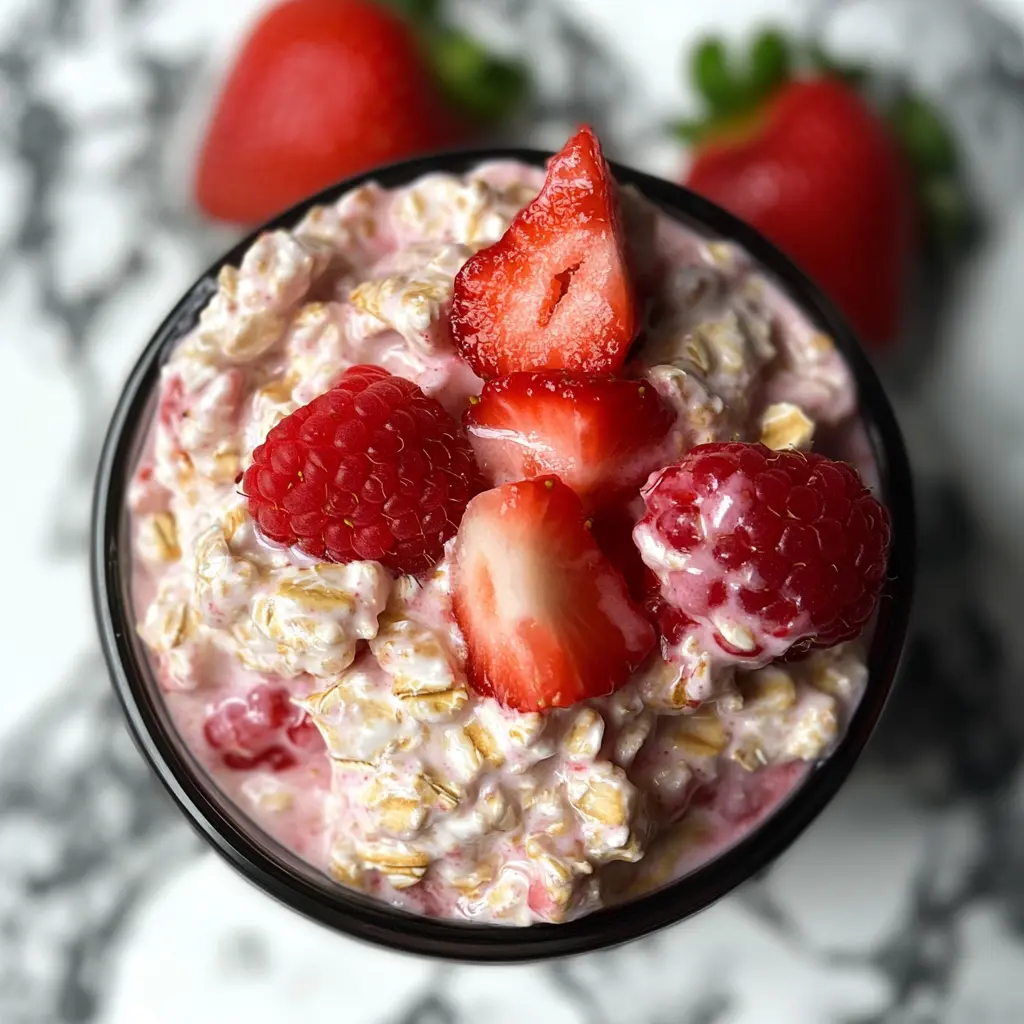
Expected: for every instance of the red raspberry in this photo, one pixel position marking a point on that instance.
(776, 548)
(262, 729)
(673, 625)
(372, 469)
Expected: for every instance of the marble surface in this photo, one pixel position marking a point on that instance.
(904, 904)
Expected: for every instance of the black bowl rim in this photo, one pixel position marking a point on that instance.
(378, 923)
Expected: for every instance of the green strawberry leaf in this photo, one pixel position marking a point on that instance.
(481, 85)
(419, 12)
(770, 60)
(950, 221)
(722, 90)
(923, 133)
(730, 87)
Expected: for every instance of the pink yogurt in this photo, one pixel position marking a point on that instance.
(401, 781)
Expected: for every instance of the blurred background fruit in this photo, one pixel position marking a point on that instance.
(855, 187)
(320, 90)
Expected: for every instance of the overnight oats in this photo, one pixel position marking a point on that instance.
(483, 548)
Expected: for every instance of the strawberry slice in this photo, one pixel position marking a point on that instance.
(612, 528)
(548, 620)
(554, 292)
(602, 436)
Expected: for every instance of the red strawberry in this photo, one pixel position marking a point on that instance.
(554, 292)
(372, 469)
(818, 173)
(600, 435)
(765, 549)
(321, 90)
(612, 528)
(547, 619)
(263, 729)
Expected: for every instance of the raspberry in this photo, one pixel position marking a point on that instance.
(673, 624)
(372, 469)
(263, 729)
(770, 550)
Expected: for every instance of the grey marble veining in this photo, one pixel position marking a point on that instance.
(95, 242)
(84, 831)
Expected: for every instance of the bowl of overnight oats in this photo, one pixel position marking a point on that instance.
(502, 555)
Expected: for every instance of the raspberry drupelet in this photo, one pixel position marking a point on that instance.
(263, 729)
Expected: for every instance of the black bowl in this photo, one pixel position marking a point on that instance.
(302, 887)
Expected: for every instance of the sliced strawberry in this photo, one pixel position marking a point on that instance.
(554, 292)
(612, 528)
(602, 436)
(548, 620)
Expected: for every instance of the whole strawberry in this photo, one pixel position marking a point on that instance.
(847, 189)
(372, 469)
(764, 550)
(819, 175)
(323, 89)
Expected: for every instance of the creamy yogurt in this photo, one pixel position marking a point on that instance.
(331, 701)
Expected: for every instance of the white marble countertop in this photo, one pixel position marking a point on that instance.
(904, 904)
